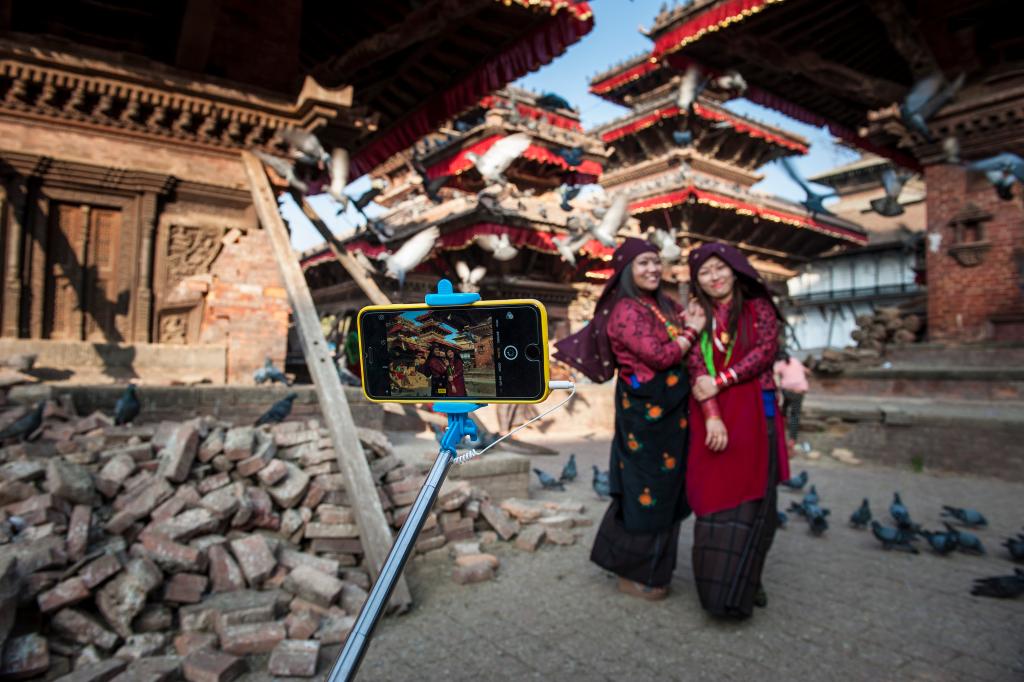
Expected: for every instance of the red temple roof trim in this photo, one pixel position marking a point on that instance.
(536, 113)
(628, 76)
(519, 237)
(716, 17)
(528, 54)
(739, 124)
(460, 162)
(714, 200)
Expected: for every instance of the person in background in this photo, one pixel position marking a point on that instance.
(738, 450)
(791, 377)
(641, 333)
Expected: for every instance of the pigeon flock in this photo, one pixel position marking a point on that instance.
(904, 532)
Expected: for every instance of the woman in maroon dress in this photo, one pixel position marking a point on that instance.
(738, 450)
(456, 374)
(643, 334)
(435, 368)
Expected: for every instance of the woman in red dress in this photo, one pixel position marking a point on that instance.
(456, 374)
(738, 450)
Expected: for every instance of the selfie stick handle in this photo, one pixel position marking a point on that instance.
(459, 426)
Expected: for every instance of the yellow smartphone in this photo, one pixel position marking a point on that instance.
(485, 352)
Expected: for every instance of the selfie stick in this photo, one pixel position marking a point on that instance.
(459, 426)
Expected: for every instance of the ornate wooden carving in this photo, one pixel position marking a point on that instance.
(191, 251)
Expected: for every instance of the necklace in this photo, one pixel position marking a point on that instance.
(673, 330)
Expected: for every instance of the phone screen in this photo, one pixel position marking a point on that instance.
(468, 353)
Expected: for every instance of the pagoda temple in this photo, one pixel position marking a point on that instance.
(126, 217)
(508, 238)
(689, 172)
(934, 87)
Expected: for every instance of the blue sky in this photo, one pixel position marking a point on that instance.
(614, 38)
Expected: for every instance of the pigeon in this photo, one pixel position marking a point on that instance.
(690, 88)
(339, 169)
(567, 193)
(601, 484)
(26, 425)
(547, 481)
(612, 221)
(305, 147)
(469, 280)
(924, 99)
(551, 101)
(893, 537)
(278, 411)
(968, 517)
(942, 543)
(898, 511)
(569, 470)
(347, 377)
(269, 373)
(463, 126)
(1002, 170)
(383, 232)
(568, 247)
(285, 170)
(431, 186)
(951, 150)
(499, 245)
(861, 517)
(969, 542)
(668, 248)
(732, 81)
(812, 496)
(816, 520)
(1000, 587)
(496, 160)
(783, 519)
(572, 157)
(893, 182)
(411, 254)
(1015, 547)
(127, 407)
(814, 201)
(683, 138)
(797, 482)
(377, 186)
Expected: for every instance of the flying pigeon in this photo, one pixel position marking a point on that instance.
(26, 425)
(572, 157)
(668, 248)
(1000, 587)
(969, 542)
(278, 411)
(1002, 170)
(499, 245)
(893, 537)
(339, 176)
(377, 185)
(888, 205)
(1016, 547)
(861, 517)
(814, 201)
(690, 88)
(569, 246)
(431, 186)
(411, 254)
(304, 146)
(127, 407)
(547, 481)
(732, 81)
(797, 482)
(951, 150)
(269, 373)
(567, 193)
(942, 543)
(551, 101)
(601, 484)
(496, 160)
(469, 280)
(285, 170)
(924, 99)
(968, 517)
(612, 221)
(569, 470)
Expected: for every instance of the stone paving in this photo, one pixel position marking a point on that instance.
(839, 606)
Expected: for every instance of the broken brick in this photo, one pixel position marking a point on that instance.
(294, 658)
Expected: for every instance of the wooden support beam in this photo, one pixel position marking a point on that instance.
(354, 269)
(373, 527)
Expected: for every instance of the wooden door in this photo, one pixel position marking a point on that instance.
(81, 293)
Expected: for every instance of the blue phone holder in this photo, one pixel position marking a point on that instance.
(460, 425)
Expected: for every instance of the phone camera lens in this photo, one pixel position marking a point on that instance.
(532, 352)
(511, 352)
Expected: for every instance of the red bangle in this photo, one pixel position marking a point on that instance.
(725, 378)
(690, 334)
(709, 408)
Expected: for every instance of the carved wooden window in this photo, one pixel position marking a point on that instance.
(969, 245)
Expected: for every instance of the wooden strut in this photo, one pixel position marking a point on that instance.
(354, 269)
(373, 527)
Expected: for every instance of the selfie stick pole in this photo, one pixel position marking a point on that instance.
(459, 426)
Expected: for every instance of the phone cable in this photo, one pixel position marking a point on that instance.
(473, 453)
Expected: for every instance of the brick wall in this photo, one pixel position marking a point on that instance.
(961, 299)
(247, 307)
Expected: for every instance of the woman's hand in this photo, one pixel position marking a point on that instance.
(695, 317)
(704, 388)
(717, 438)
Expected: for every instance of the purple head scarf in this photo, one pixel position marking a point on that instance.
(732, 257)
(589, 350)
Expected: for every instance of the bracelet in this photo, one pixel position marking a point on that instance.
(709, 408)
(690, 334)
(725, 378)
